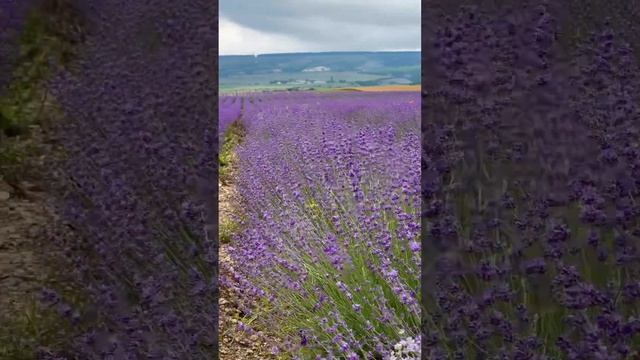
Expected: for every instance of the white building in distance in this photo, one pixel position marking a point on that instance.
(316, 69)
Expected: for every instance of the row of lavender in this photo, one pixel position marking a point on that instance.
(330, 251)
(229, 108)
(530, 191)
(137, 180)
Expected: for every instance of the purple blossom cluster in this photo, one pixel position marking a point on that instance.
(330, 253)
(529, 187)
(229, 110)
(137, 179)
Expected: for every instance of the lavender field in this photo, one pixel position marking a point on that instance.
(326, 258)
(530, 189)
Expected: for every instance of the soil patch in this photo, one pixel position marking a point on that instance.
(235, 343)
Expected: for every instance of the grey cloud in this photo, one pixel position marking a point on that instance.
(333, 24)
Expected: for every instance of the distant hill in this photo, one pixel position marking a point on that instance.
(318, 70)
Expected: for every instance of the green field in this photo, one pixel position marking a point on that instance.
(339, 70)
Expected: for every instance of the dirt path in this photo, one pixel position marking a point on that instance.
(234, 343)
(29, 258)
(22, 224)
(25, 218)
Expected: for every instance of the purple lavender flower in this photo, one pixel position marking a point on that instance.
(137, 180)
(529, 152)
(330, 186)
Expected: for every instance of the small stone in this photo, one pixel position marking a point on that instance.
(29, 186)
(4, 195)
(5, 187)
(34, 232)
(253, 338)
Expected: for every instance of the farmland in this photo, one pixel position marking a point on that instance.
(327, 70)
(326, 209)
(381, 88)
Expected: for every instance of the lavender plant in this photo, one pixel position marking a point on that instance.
(137, 179)
(230, 132)
(229, 110)
(330, 254)
(529, 185)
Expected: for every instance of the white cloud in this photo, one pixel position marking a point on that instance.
(273, 26)
(235, 39)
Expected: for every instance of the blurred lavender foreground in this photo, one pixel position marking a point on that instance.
(137, 179)
(12, 16)
(530, 174)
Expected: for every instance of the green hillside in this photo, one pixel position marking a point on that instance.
(318, 70)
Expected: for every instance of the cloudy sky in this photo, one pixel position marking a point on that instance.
(250, 27)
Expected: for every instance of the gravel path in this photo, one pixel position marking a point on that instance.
(30, 258)
(25, 220)
(234, 343)
(22, 224)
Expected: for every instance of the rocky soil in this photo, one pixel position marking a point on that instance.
(23, 221)
(235, 344)
(26, 217)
